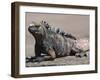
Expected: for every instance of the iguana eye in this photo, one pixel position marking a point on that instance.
(37, 26)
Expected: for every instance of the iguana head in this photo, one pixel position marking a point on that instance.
(37, 30)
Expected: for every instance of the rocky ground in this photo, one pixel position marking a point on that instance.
(68, 60)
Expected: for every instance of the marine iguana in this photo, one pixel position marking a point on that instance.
(52, 43)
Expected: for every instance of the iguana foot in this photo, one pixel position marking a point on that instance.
(81, 55)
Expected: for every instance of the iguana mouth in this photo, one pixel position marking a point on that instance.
(37, 32)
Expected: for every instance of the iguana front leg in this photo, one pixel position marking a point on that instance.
(51, 56)
(37, 50)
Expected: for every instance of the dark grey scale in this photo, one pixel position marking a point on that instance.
(62, 33)
(49, 28)
(60, 49)
(58, 30)
(69, 36)
(46, 24)
(44, 21)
